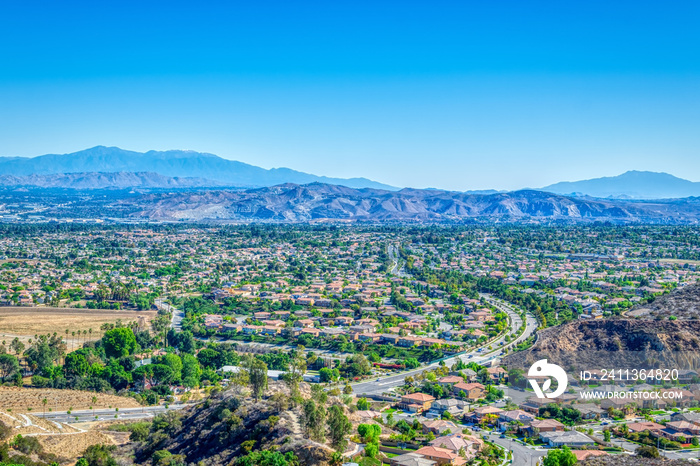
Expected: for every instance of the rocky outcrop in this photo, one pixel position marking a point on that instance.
(615, 343)
(682, 304)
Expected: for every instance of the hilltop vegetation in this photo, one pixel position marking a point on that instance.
(234, 427)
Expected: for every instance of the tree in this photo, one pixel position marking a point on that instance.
(267, 458)
(17, 346)
(100, 455)
(174, 362)
(357, 365)
(256, 372)
(371, 450)
(119, 342)
(327, 374)
(363, 404)
(208, 357)
(411, 363)
(606, 435)
(369, 432)
(190, 371)
(9, 366)
(313, 420)
(336, 459)
(297, 369)
(647, 451)
(76, 364)
(338, 427)
(562, 457)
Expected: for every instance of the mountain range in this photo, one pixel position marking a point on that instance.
(215, 170)
(318, 202)
(112, 167)
(629, 185)
(118, 180)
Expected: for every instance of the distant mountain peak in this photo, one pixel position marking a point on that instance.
(170, 163)
(633, 184)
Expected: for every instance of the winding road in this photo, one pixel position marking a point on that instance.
(385, 384)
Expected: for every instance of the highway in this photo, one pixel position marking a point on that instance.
(392, 249)
(386, 384)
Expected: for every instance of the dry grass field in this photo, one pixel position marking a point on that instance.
(19, 400)
(25, 322)
(73, 445)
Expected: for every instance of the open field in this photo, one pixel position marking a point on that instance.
(25, 322)
(680, 261)
(19, 400)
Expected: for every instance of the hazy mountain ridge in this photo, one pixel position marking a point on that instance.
(174, 163)
(101, 180)
(302, 203)
(630, 185)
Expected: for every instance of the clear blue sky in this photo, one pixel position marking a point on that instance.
(451, 94)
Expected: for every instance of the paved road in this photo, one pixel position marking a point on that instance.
(392, 249)
(109, 414)
(522, 455)
(385, 384)
(320, 352)
(178, 315)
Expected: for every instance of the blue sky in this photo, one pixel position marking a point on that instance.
(457, 95)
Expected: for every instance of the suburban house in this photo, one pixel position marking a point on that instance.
(449, 380)
(441, 455)
(449, 405)
(570, 438)
(515, 417)
(473, 391)
(456, 442)
(416, 402)
(439, 426)
(545, 425)
(410, 459)
(482, 412)
(637, 427)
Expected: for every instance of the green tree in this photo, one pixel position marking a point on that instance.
(9, 366)
(562, 457)
(76, 364)
(411, 363)
(119, 342)
(369, 432)
(371, 450)
(256, 372)
(99, 455)
(313, 419)
(647, 451)
(363, 404)
(17, 346)
(267, 458)
(339, 427)
(191, 371)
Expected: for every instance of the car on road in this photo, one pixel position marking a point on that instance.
(502, 436)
